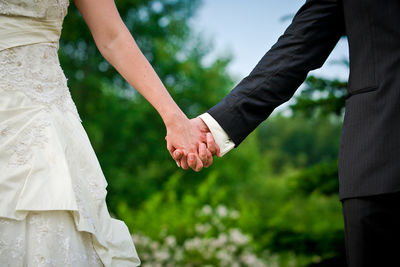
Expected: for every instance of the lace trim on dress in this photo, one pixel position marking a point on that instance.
(34, 136)
(6, 130)
(34, 70)
(52, 237)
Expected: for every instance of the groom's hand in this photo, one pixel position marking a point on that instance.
(206, 148)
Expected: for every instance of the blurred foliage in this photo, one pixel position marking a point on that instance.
(300, 140)
(126, 132)
(281, 182)
(323, 96)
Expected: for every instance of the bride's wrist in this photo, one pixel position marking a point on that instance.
(174, 119)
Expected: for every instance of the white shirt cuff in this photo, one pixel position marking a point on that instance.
(220, 136)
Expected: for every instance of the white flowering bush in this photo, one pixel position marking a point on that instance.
(213, 241)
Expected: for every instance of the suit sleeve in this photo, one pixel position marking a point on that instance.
(304, 46)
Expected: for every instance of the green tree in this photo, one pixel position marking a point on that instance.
(321, 97)
(125, 131)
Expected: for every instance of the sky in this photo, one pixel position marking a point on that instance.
(246, 29)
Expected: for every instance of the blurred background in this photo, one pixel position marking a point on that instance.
(273, 201)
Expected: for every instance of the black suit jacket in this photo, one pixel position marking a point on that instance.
(369, 155)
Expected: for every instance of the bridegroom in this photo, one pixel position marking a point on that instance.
(369, 157)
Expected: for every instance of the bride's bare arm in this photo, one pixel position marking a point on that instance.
(119, 48)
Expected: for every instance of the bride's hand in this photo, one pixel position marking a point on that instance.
(183, 137)
(205, 147)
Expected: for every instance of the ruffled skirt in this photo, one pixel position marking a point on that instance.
(52, 189)
(46, 238)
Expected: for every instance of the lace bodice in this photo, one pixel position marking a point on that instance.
(30, 71)
(34, 73)
(50, 9)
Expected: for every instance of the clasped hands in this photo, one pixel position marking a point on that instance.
(191, 144)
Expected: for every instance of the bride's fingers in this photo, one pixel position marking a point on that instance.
(209, 159)
(199, 165)
(211, 145)
(184, 164)
(177, 155)
(195, 163)
(192, 160)
(203, 153)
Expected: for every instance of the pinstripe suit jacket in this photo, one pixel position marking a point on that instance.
(369, 155)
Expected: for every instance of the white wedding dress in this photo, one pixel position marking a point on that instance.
(52, 189)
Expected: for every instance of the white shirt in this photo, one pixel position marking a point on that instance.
(222, 139)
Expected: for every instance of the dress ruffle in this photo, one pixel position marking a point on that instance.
(47, 163)
(46, 238)
(58, 170)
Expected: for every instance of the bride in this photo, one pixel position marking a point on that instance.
(52, 189)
